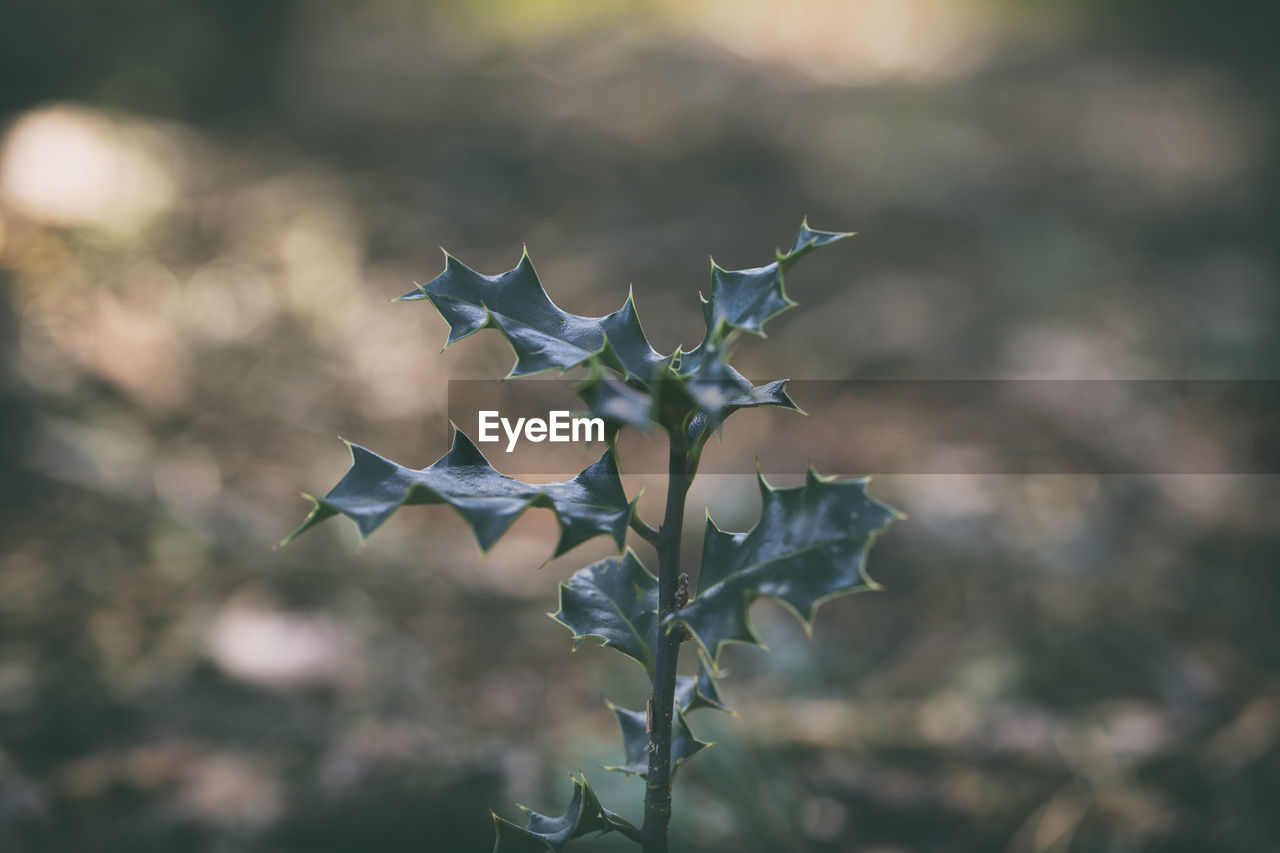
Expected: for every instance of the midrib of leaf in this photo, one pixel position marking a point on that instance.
(816, 546)
(544, 334)
(644, 643)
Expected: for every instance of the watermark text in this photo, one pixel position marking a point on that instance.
(559, 426)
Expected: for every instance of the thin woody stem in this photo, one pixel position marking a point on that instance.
(657, 795)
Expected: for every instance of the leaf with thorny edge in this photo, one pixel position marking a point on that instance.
(544, 337)
(809, 545)
(584, 815)
(616, 600)
(692, 407)
(700, 691)
(635, 740)
(744, 300)
(591, 504)
(618, 403)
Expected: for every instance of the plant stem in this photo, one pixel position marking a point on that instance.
(657, 795)
(646, 532)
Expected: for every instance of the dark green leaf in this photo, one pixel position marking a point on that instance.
(542, 336)
(617, 402)
(810, 545)
(700, 388)
(746, 299)
(696, 404)
(541, 832)
(591, 504)
(617, 601)
(635, 741)
(695, 391)
(699, 691)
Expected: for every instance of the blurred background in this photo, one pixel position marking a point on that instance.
(206, 206)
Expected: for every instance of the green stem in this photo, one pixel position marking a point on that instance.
(657, 795)
(647, 533)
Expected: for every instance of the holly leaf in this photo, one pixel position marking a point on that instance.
(708, 389)
(618, 403)
(700, 388)
(542, 336)
(700, 691)
(745, 300)
(635, 741)
(615, 600)
(584, 815)
(591, 504)
(809, 545)
(697, 403)
(718, 391)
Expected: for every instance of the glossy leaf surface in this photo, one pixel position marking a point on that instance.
(615, 600)
(745, 300)
(591, 504)
(699, 388)
(542, 335)
(809, 545)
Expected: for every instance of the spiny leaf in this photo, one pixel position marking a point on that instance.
(542, 336)
(635, 740)
(697, 403)
(694, 392)
(617, 601)
(545, 337)
(541, 832)
(718, 391)
(618, 403)
(693, 405)
(700, 691)
(746, 299)
(591, 504)
(809, 545)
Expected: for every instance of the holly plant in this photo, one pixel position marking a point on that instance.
(810, 543)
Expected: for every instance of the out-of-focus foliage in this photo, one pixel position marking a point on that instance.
(205, 207)
(584, 816)
(635, 741)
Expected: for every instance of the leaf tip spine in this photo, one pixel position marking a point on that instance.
(765, 488)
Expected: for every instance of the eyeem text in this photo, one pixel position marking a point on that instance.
(559, 426)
